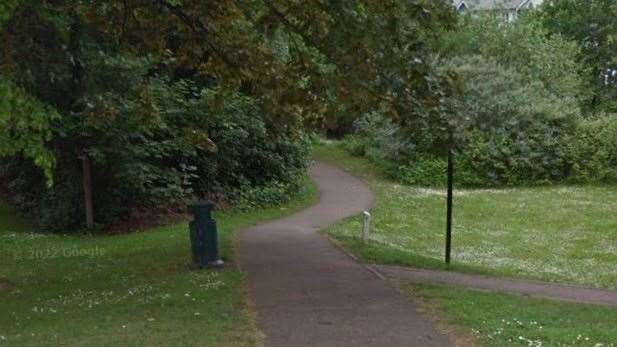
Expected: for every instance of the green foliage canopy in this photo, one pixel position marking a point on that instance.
(593, 26)
(299, 59)
(527, 47)
(25, 127)
(513, 120)
(171, 99)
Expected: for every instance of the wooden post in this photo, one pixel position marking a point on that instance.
(87, 180)
(449, 202)
(366, 226)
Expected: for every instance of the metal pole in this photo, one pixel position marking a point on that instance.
(449, 203)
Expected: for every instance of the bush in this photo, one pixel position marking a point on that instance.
(516, 108)
(592, 150)
(585, 154)
(511, 130)
(251, 163)
(507, 131)
(356, 145)
(426, 171)
(380, 139)
(273, 193)
(387, 144)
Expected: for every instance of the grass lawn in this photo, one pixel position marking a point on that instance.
(133, 289)
(507, 320)
(557, 233)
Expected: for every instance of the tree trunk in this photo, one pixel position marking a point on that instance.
(87, 180)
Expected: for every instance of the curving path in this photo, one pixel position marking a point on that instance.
(531, 288)
(309, 293)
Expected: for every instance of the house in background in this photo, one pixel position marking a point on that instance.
(510, 9)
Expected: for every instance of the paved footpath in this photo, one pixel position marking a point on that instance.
(514, 286)
(309, 293)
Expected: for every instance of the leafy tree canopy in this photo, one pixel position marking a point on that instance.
(158, 101)
(527, 47)
(592, 24)
(300, 59)
(25, 126)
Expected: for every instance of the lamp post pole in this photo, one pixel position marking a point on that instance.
(449, 199)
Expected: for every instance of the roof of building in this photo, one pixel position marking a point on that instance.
(491, 4)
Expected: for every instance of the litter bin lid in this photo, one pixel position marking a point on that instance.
(202, 208)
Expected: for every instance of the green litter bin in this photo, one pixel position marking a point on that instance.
(204, 236)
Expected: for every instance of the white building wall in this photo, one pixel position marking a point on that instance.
(537, 2)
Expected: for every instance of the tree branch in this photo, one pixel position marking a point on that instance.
(196, 26)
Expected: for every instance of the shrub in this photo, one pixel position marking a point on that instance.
(387, 144)
(428, 170)
(385, 141)
(271, 194)
(512, 130)
(592, 150)
(248, 151)
(507, 130)
(356, 145)
(586, 153)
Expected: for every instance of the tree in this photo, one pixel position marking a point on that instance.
(6, 9)
(593, 26)
(362, 53)
(25, 127)
(127, 80)
(24, 120)
(527, 47)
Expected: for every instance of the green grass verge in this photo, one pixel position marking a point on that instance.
(507, 320)
(555, 233)
(133, 289)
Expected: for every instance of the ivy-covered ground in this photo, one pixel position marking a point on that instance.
(555, 233)
(133, 289)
